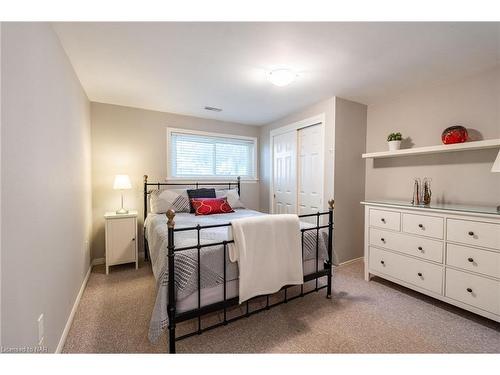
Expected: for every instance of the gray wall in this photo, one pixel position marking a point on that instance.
(134, 141)
(45, 159)
(458, 177)
(345, 131)
(350, 138)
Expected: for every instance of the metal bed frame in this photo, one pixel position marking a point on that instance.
(175, 317)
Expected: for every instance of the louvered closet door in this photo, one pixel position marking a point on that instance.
(285, 173)
(310, 167)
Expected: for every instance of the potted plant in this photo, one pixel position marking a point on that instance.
(394, 141)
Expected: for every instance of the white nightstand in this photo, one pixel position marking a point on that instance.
(121, 239)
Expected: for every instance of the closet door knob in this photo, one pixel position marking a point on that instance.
(420, 248)
(420, 225)
(382, 262)
(471, 233)
(470, 260)
(419, 274)
(469, 290)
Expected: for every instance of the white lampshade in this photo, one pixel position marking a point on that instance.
(122, 182)
(496, 164)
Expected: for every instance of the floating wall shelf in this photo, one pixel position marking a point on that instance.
(476, 145)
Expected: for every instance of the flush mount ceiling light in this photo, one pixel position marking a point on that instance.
(282, 77)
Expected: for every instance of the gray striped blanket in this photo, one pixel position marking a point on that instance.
(211, 257)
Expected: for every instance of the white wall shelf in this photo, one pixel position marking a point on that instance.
(476, 145)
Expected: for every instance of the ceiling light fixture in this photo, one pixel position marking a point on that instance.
(282, 77)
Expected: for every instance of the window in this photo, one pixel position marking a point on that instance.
(210, 156)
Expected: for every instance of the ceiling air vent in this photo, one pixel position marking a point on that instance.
(215, 109)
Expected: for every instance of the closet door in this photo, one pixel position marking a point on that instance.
(285, 173)
(310, 167)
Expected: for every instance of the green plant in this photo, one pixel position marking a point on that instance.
(394, 137)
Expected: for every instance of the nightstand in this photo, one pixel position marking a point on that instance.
(121, 239)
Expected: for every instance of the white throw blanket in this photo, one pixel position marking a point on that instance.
(268, 252)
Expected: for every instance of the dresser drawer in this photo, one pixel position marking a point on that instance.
(473, 233)
(417, 246)
(385, 219)
(475, 260)
(429, 226)
(473, 290)
(417, 272)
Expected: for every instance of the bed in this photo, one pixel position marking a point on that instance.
(190, 262)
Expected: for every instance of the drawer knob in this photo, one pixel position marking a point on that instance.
(382, 262)
(420, 225)
(470, 260)
(133, 239)
(382, 220)
(471, 233)
(419, 274)
(382, 239)
(420, 248)
(469, 290)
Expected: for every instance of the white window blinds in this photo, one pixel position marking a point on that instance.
(207, 156)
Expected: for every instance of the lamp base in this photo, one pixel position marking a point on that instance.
(122, 211)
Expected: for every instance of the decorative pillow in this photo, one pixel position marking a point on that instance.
(181, 204)
(210, 206)
(163, 200)
(233, 198)
(200, 193)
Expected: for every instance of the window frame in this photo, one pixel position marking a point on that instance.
(210, 134)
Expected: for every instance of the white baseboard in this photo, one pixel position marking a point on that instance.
(64, 335)
(349, 262)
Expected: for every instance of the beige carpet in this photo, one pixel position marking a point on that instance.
(374, 317)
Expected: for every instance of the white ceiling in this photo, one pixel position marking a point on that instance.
(183, 67)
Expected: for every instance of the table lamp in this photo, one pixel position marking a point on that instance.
(122, 182)
(496, 168)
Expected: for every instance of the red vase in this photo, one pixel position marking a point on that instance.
(454, 134)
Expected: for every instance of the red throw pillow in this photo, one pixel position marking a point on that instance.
(209, 206)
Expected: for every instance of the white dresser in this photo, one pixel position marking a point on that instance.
(449, 252)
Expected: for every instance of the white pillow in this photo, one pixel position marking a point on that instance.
(233, 198)
(161, 201)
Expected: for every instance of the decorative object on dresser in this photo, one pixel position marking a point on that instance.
(448, 252)
(496, 169)
(122, 182)
(427, 193)
(121, 239)
(416, 191)
(454, 134)
(394, 141)
(421, 191)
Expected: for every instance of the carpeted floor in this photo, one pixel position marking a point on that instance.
(374, 317)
